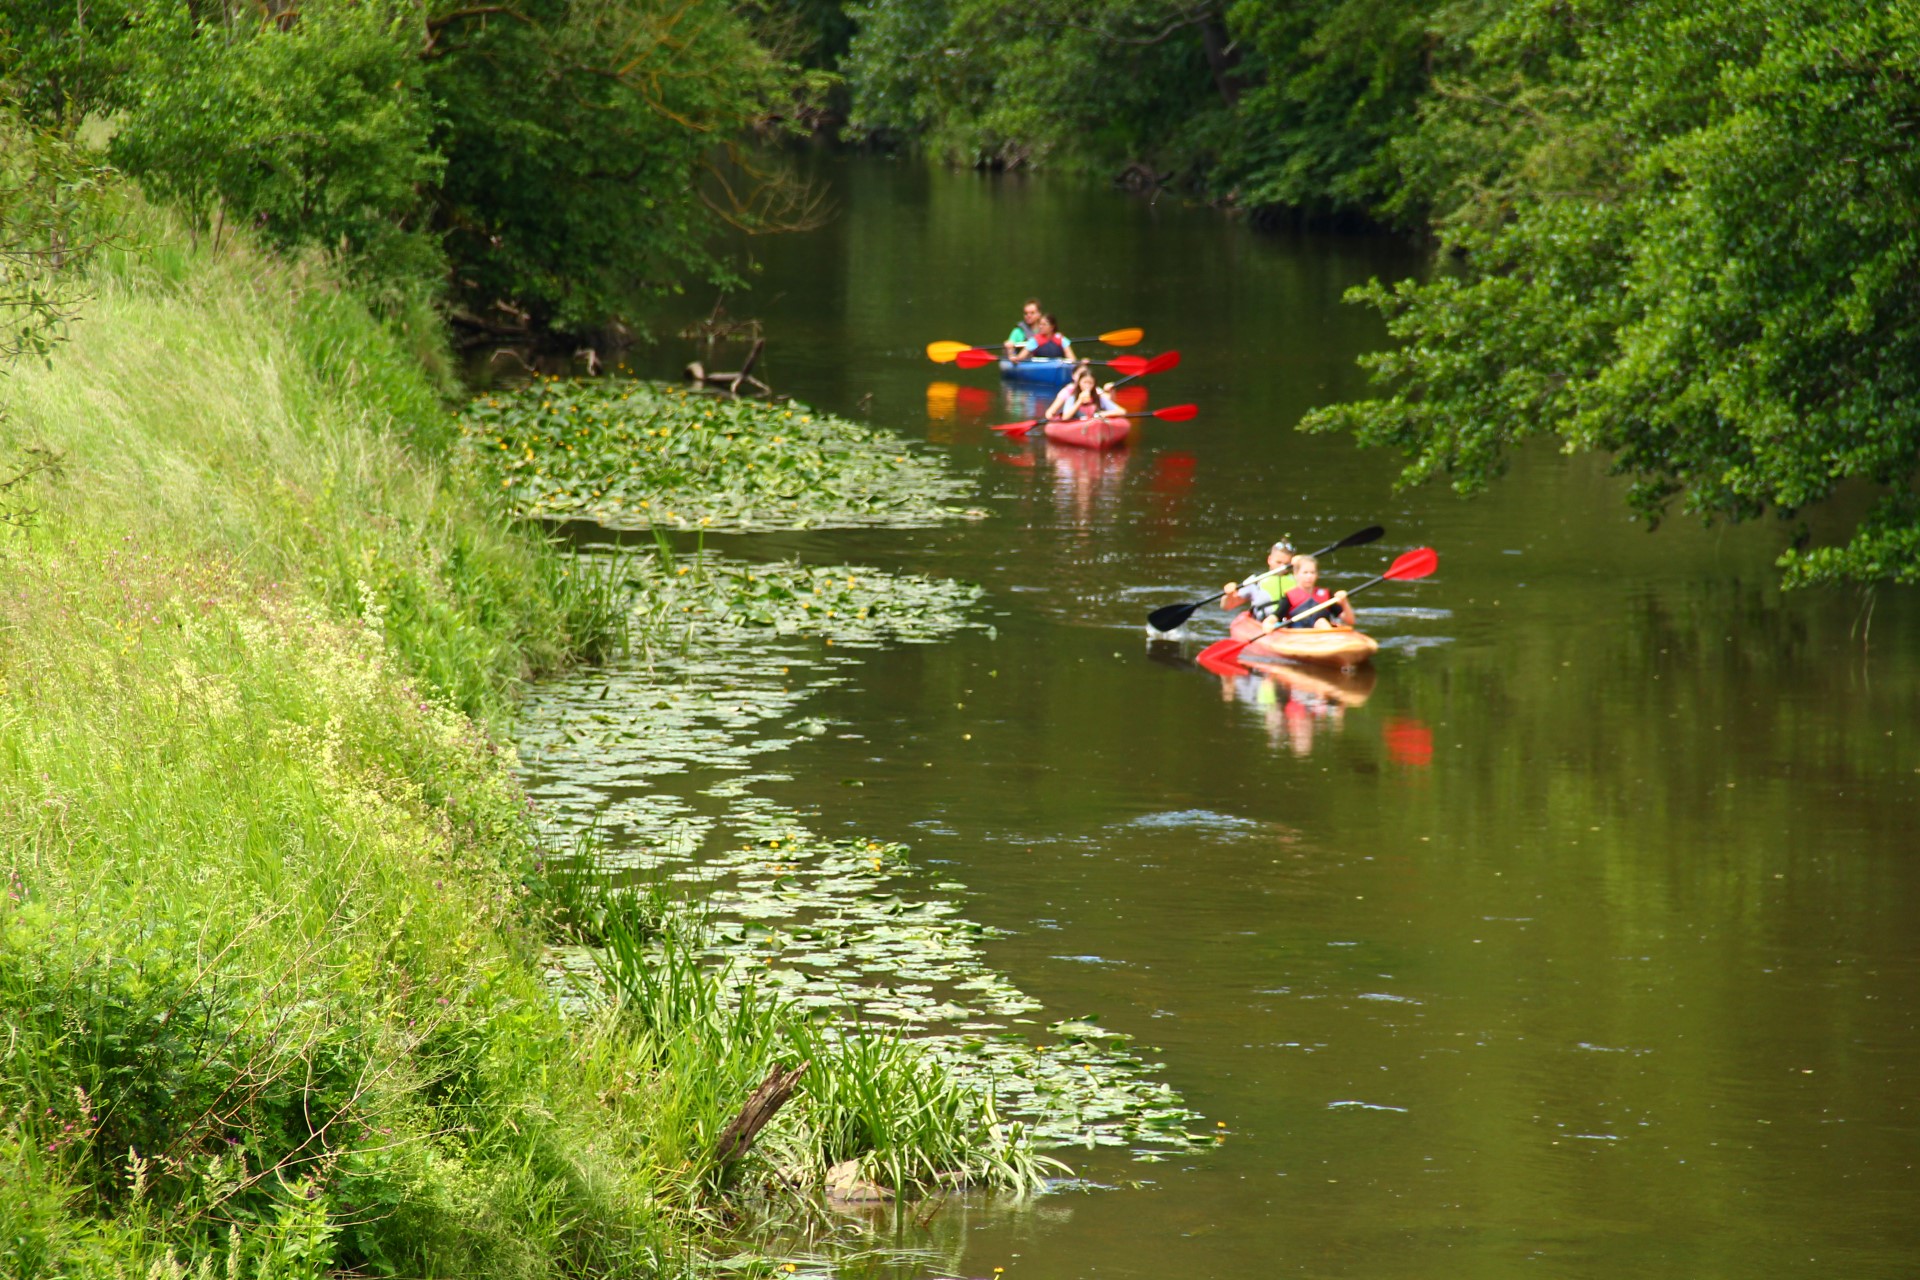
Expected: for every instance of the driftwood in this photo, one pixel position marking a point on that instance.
(766, 1100)
(697, 372)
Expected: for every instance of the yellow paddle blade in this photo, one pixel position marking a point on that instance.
(1123, 337)
(944, 352)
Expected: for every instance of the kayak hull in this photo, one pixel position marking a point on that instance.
(1340, 647)
(1037, 372)
(1090, 433)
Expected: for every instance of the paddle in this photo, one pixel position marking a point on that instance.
(1169, 617)
(944, 352)
(1172, 413)
(1139, 367)
(1417, 563)
(980, 357)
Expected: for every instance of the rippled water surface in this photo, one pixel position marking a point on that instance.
(1577, 938)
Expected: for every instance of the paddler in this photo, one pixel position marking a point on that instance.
(1083, 397)
(1022, 334)
(1299, 606)
(1045, 342)
(1263, 593)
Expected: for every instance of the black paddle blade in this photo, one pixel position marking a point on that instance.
(1172, 617)
(1371, 533)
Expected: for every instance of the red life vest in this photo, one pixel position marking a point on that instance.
(1299, 598)
(1050, 348)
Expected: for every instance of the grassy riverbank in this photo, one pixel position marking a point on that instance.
(269, 962)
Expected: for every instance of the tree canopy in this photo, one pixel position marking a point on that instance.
(1695, 251)
(1681, 234)
(556, 161)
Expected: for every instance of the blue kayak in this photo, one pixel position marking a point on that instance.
(1040, 371)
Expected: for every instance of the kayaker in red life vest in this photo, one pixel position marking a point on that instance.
(1299, 603)
(1023, 332)
(1046, 342)
(1083, 397)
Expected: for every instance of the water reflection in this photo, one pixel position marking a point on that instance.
(1087, 483)
(1628, 834)
(1294, 703)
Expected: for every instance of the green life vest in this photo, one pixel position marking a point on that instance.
(1274, 585)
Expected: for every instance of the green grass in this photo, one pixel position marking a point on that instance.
(868, 1094)
(232, 407)
(270, 944)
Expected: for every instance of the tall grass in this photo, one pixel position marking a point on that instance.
(868, 1095)
(266, 989)
(231, 405)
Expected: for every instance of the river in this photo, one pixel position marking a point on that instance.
(1579, 941)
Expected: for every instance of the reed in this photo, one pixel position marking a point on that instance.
(868, 1095)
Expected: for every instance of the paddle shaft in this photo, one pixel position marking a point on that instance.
(1025, 428)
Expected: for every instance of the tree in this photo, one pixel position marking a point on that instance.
(557, 160)
(997, 83)
(1703, 263)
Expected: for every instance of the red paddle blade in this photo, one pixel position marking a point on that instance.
(1164, 361)
(975, 357)
(1176, 412)
(1131, 366)
(1415, 564)
(1220, 652)
(1017, 428)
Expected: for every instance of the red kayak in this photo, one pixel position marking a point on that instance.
(1091, 433)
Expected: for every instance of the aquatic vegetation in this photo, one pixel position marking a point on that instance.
(867, 1095)
(634, 455)
(847, 932)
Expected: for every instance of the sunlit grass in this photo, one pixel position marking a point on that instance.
(269, 940)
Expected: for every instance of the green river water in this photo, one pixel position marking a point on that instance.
(1578, 940)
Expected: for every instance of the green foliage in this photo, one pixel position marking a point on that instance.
(1697, 271)
(541, 161)
(60, 61)
(51, 224)
(316, 131)
(1333, 85)
(633, 454)
(580, 141)
(992, 82)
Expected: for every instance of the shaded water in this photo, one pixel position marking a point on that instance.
(1580, 941)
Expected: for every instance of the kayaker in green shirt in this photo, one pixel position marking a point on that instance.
(1022, 333)
(1263, 593)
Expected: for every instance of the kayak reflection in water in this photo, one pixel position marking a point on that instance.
(1083, 397)
(1264, 593)
(1298, 608)
(1292, 703)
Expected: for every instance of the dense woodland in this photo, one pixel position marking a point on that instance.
(1679, 233)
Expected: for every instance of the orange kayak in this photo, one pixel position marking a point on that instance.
(1341, 647)
(1091, 433)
